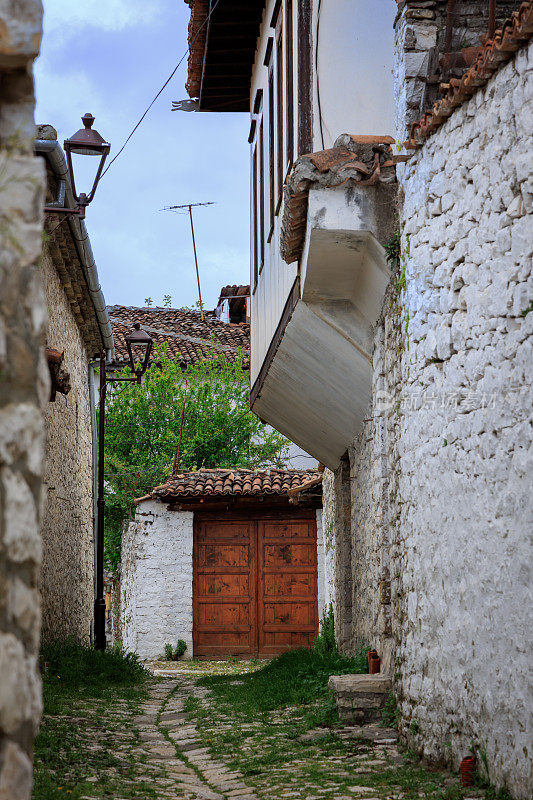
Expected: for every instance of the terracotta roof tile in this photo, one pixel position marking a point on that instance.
(514, 33)
(189, 339)
(197, 32)
(235, 483)
(361, 160)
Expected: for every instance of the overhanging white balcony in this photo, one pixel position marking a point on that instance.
(315, 383)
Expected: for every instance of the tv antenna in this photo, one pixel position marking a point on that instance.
(190, 207)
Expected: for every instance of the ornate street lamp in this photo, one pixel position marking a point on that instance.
(85, 142)
(139, 345)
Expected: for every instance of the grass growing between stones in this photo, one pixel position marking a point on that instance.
(87, 743)
(279, 728)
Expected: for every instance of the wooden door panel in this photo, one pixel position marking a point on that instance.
(294, 585)
(287, 585)
(217, 555)
(277, 642)
(224, 588)
(291, 555)
(223, 585)
(301, 615)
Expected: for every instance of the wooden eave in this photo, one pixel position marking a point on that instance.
(234, 503)
(229, 54)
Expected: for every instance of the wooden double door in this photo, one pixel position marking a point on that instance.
(254, 585)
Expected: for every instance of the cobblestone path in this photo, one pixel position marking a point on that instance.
(278, 757)
(177, 742)
(172, 747)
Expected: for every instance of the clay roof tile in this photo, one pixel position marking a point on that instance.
(514, 33)
(236, 482)
(188, 338)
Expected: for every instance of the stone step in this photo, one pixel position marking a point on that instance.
(360, 698)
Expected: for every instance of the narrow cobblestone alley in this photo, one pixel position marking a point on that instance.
(177, 742)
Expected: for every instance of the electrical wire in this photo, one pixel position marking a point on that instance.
(317, 76)
(178, 65)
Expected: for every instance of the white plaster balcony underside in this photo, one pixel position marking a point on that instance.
(317, 388)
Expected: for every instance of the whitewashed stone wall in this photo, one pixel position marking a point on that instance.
(67, 574)
(325, 567)
(156, 580)
(23, 393)
(441, 509)
(463, 544)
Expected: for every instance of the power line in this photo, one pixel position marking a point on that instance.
(178, 65)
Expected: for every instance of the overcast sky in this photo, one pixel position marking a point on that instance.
(110, 58)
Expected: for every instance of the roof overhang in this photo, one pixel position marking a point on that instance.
(316, 386)
(91, 300)
(222, 52)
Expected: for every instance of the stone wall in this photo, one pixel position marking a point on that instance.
(23, 393)
(68, 538)
(156, 580)
(465, 442)
(441, 508)
(420, 38)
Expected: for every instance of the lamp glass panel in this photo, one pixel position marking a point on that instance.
(85, 170)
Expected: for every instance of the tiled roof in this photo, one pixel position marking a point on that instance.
(361, 160)
(189, 339)
(234, 483)
(514, 33)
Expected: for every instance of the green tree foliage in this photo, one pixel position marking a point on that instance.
(143, 425)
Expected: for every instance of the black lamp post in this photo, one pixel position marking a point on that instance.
(139, 345)
(85, 142)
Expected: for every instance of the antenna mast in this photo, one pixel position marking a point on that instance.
(190, 207)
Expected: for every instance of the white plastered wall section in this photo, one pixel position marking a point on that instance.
(156, 583)
(353, 44)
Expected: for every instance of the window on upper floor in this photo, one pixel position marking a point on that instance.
(281, 119)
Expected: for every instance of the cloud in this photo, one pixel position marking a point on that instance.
(64, 18)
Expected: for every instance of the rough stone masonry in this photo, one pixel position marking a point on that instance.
(465, 444)
(23, 393)
(441, 512)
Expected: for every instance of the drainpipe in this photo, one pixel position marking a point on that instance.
(94, 437)
(53, 152)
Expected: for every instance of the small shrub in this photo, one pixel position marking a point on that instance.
(414, 727)
(168, 652)
(325, 641)
(180, 649)
(390, 714)
(174, 654)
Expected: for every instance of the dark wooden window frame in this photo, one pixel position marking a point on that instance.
(271, 163)
(289, 80)
(305, 77)
(280, 126)
(254, 240)
(261, 197)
